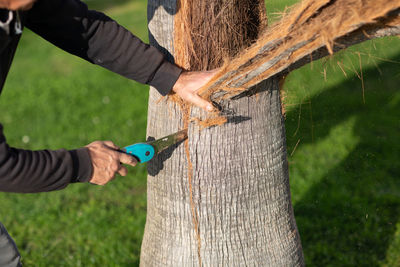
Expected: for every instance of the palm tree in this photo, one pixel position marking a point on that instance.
(224, 198)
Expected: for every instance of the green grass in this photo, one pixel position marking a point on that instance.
(343, 153)
(275, 8)
(344, 170)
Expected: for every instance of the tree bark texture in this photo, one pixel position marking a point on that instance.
(240, 179)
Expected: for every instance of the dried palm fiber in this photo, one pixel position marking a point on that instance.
(312, 29)
(205, 34)
(209, 31)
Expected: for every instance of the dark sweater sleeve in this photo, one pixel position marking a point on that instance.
(97, 38)
(27, 171)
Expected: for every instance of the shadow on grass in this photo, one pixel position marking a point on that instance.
(348, 218)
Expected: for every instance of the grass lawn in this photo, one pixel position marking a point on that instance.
(342, 137)
(344, 154)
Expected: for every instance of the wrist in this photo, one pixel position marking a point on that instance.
(179, 84)
(166, 77)
(82, 165)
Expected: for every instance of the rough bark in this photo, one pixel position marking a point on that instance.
(240, 180)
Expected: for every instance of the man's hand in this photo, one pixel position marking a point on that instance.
(17, 4)
(189, 83)
(106, 161)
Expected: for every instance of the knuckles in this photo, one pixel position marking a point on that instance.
(115, 166)
(107, 161)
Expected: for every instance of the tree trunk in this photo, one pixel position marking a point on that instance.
(240, 183)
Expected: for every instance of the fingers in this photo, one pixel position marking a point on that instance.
(111, 144)
(200, 102)
(127, 159)
(106, 161)
(189, 83)
(123, 171)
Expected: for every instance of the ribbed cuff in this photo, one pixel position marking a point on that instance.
(165, 77)
(83, 168)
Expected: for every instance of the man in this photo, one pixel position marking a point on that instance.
(98, 39)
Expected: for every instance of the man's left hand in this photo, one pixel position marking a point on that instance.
(189, 83)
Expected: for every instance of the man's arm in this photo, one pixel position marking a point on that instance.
(26, 171)
(95, 37)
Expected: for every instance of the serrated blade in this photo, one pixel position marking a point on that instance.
(167, 141)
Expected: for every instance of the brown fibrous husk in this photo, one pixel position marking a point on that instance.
(307, 27)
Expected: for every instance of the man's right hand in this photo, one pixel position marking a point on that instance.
(106, 160)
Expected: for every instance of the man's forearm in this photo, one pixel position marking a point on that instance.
(27, 171)
(97, 38)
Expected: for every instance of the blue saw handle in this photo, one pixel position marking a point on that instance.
(142, 151)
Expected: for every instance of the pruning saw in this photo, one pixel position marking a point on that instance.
(144, 152)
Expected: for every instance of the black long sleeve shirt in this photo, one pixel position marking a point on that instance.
(96, 38)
